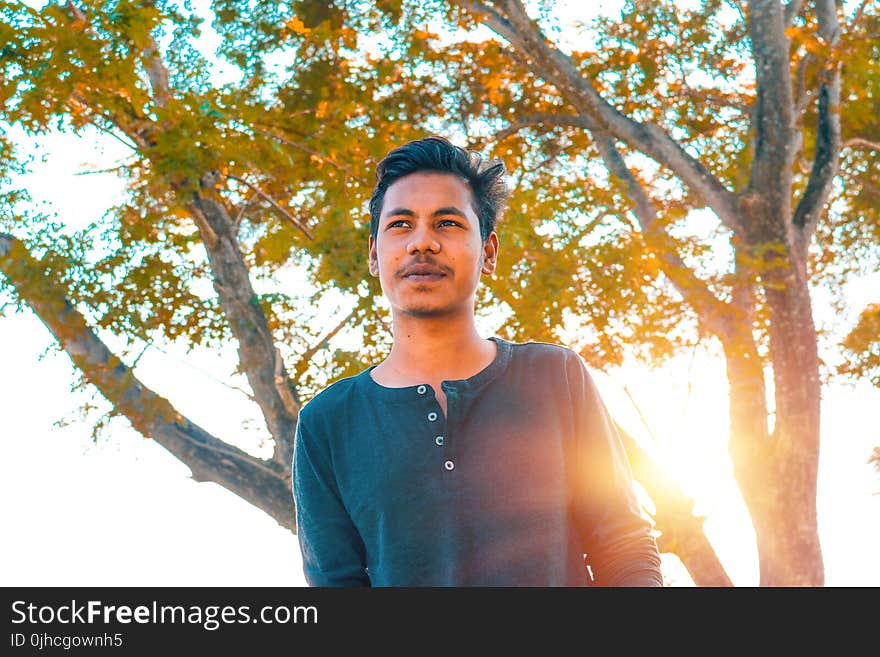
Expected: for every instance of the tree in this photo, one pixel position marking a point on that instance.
(232, 183)
(735, 110)
(228, 184)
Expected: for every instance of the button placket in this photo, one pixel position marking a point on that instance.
(433, 416)
(443, 440)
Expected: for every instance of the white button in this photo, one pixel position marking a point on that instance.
(449, 465)
(432, 416)
(421, 390)
(439, 440)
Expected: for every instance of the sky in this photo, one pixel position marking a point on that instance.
(123, 512)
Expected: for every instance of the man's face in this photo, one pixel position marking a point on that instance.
(428, 253)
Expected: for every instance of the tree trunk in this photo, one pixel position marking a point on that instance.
(786, 526)
(264, 483)
(258, 356)
(777, 471)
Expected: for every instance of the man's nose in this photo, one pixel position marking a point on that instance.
(423, 239)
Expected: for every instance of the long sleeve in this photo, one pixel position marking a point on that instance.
(332, 550)
(617, 539)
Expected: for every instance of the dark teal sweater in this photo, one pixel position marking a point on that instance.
(524, 478)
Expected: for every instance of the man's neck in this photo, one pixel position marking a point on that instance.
(448, 347)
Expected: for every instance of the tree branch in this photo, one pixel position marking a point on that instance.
(858, 141)
(257, 355)
(773, 120)
(792, 9)
(681, 532)
(828, 136)
(542, 119)
(156, 69)
(256, 347)
(265, 484)
(711, 311)
(76, 11)
(138, 128)
(857, 15)
(714, 96)
(557, 68)
(158, 73)
(303, 362)
(490, 17)
(286, 391)
(139, 135)
(242, 208)
(304, 149)
(284, 213)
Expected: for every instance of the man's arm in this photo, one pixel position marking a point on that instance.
(332, 550)
(617, 537)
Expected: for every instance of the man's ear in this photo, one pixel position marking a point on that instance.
(490, 253)
(373, 259)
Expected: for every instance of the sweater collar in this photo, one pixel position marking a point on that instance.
(461, 388)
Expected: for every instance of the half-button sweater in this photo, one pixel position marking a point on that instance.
(524, 482)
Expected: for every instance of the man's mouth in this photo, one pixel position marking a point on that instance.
(424, 277)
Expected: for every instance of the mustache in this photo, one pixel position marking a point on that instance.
(423, 261)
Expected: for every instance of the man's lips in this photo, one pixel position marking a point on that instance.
(423, 272)
(424, 277)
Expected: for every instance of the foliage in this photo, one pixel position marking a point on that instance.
(863, 346)
(290, 142)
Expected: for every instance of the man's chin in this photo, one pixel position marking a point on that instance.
(426, 311)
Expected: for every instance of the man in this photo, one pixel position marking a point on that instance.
(458, 460)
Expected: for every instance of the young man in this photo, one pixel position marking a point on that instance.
(458, 460)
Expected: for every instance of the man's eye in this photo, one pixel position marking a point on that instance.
(396, 223)
(449, 221)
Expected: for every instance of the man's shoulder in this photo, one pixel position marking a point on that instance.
(536, 350)
(328, 402)
(549, 362)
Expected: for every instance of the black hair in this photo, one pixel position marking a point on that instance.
(439, 155)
